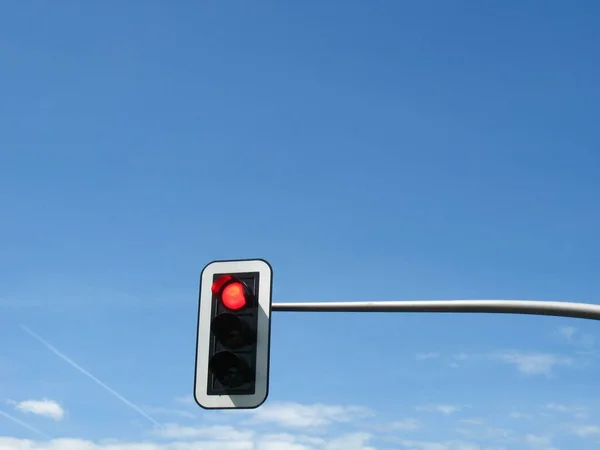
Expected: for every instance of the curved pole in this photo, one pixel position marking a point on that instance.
(541, 308)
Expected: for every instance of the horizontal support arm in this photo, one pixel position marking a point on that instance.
(542, 308)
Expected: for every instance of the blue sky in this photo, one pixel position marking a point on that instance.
(367, 150)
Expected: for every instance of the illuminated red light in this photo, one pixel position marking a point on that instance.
(219, 283)
(233, 296)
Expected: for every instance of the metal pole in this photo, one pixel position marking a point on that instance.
(542, 308)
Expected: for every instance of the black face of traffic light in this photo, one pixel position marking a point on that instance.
(232, 331)
(232, 354)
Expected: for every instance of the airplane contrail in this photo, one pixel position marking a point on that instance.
(89, 375)
(24, 424)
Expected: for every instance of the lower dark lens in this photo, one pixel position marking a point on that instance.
(230, 370)
(230, 330)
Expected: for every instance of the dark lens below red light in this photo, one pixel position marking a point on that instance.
(234, 296)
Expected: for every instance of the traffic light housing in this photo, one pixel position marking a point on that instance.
(233, 341)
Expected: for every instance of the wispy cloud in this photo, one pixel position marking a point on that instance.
(229, 437)
(585, 431)
(481, 431)
(406, 425)
(438, 445)
(295, 415)
(281, 430)
(185, 400)
(424, 356)
(579, 412)
(169, 411)
(351, 441)
(584, 344)
(567, 332)
(219, 432)
(44, 407)
(89, 375)
(24, 425)
(539, 442)
(457, 359)
(473, 421)
(519, 415)
(440, 408)
(532, 363)
(206, 439)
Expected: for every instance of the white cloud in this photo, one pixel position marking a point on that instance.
(175, 436)
(519, 415)
(240, 441)
(45, 407)
(176, 431)
(529, 363)
(473, 421)
(567, 332)
(424, 445)
(533, 363)
(430, 355)
(484, 432)
(7, 443)
(440, 408)
(444, 445)
(584, 344)
(539, 442)
(186, 400)
(353, 441)
(289, 442)
(310, 431)
(461, 356)
(295, 415)
(405, 425)
(585, 431)
(579, 412)
(156, 410)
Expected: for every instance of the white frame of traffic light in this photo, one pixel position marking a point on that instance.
(263, 338)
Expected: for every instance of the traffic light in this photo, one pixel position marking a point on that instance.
(234, 330)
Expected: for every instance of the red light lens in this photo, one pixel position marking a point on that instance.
(233, 296)
(219, 282)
